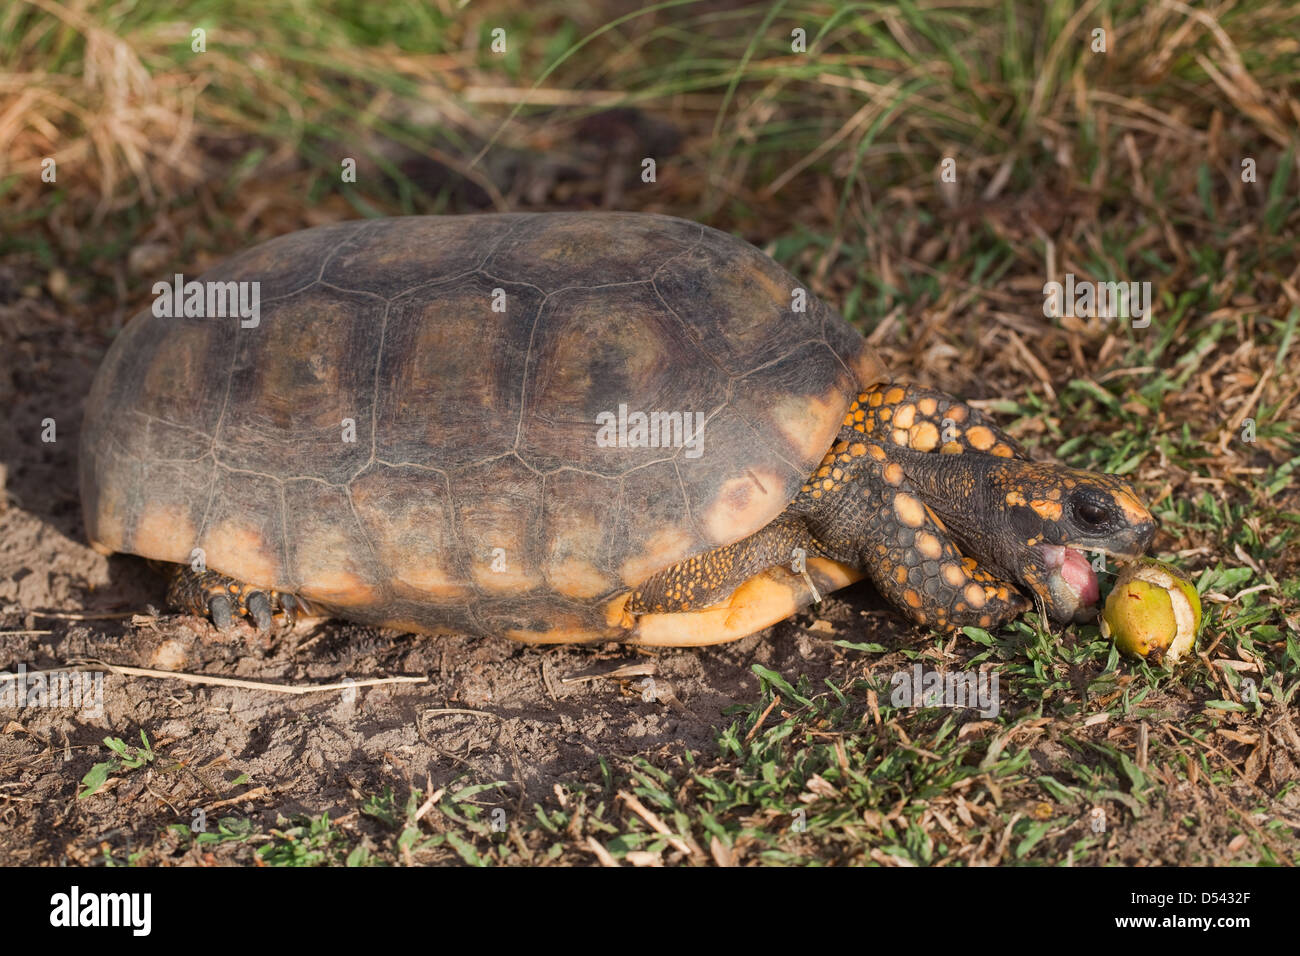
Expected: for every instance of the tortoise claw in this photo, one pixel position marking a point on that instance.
(222, 612)
(259, 609)
(289, 607)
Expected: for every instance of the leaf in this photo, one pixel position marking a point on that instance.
(473, 790)
(1034, 832)
(95, 778)
(780, 683)
(1134, 773)
(1276, 208)
(866, 648)
(1225, 705)
(1059, 791)
(360, 856)
(466, 851)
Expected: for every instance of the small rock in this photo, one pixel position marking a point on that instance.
(57, 284)
(170, 655)
(148, 258)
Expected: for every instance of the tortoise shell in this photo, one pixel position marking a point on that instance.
(433, 423)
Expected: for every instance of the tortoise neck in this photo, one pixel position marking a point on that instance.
(953, 485)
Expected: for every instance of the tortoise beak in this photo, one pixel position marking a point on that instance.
(1069, 584)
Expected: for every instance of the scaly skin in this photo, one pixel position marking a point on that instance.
(942, 510)
(222, 598)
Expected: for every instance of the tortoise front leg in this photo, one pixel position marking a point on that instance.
(214, 595)
(707, 579)
(918, 568)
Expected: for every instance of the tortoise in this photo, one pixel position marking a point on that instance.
(561, 427)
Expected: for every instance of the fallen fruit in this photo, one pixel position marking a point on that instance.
(1153, 613)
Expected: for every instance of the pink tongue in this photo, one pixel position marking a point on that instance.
(1077, 573)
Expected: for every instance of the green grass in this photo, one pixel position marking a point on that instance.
(125, 757)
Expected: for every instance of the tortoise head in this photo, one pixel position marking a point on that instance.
(1043, 518)
(1033, 522)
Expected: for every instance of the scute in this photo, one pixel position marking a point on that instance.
(576, 543)
(450, 369)
(301, 404)
(331, 561)
(240, 527)
(290, 263)
(566, 250)
(407, 516)
(390, 255)
(497, 528)
(733, 300)
(412, 434)
(594, 350)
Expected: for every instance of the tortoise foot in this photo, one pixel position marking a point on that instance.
(224, 600)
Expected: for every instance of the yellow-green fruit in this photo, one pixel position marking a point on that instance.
(1153, 613)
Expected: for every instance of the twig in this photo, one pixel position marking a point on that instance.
(255, 792)
(762, 717)
(69, 616)
(649, 816)
(236, 682)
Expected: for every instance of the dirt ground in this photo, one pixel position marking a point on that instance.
(309, 753)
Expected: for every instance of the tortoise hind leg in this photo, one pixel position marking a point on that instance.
(222, 598)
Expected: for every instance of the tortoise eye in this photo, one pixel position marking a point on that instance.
(1092, 514)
